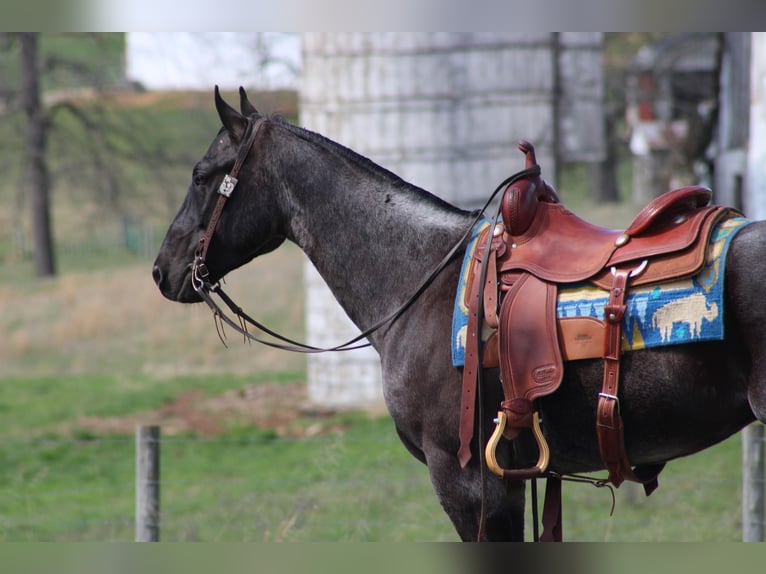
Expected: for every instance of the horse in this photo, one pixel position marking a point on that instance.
(373, 237)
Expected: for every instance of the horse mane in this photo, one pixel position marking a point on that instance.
(361, 161)
(339, 149)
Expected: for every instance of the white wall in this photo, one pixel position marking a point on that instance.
(754, 200)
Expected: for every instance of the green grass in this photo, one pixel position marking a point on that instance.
(245, 486)
(698, 500)
(250, 485)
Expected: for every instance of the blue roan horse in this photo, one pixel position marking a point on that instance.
(373, 237)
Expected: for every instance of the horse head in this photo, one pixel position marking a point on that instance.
(249, 224)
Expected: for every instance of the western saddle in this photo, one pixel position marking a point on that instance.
(516, 268)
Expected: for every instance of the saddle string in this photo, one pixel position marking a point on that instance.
(596, 482)
(203, 287)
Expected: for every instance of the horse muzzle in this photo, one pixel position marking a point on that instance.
(180, 290)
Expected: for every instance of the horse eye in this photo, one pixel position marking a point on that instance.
(198, 179)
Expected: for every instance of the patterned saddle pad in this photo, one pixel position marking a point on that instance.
(689, 310)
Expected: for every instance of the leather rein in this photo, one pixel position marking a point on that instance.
(200, 274)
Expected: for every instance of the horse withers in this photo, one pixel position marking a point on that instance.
(373, 237)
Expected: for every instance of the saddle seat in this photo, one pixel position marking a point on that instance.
(542, 237)
(513, 286)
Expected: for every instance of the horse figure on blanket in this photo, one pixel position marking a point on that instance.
(373, 236)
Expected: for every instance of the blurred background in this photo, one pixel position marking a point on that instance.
(100, 132)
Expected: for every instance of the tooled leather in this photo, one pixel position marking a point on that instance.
(530, 359)
(683, 199)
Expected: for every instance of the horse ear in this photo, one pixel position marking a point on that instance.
(234, 122)
(245, 106)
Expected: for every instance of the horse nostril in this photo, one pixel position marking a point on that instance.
(157, 275)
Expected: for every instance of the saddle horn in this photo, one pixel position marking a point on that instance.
(521, 198)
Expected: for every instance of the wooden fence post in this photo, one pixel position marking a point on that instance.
(147, 484)
(752, 483)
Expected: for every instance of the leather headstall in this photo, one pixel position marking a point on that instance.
(200, 273)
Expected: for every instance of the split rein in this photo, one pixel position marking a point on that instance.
(205, 289)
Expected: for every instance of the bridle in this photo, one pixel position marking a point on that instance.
(200, 274)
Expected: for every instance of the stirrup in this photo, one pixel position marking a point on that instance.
(521, 473)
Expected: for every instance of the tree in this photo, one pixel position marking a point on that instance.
(36, 143)
(72, 138)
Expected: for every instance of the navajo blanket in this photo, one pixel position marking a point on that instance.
(671, 313)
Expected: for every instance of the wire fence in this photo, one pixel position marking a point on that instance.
(334, 487)
(128, 233)
(219, 489)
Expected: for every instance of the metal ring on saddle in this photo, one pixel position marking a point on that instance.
(635, 272)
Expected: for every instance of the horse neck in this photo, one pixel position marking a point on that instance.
(371, 236)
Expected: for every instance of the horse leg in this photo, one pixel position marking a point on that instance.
(460, 494)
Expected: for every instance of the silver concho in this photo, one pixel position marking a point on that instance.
(227, 185)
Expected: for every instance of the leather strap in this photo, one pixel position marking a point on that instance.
(204, 241)
(608, 420)
(472, 358)
(609, 426)
(490, 292)
(227, 187)
(552, 523)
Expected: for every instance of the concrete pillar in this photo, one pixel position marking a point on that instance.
(754, 200)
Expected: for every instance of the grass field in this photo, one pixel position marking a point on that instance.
(90, 354)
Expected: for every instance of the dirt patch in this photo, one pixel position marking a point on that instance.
(282, 408)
